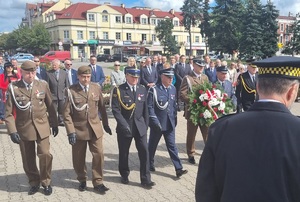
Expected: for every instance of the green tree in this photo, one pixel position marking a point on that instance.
(3, 40)
(41, 38)
(164, 35)
(269, 28)
(205, 22)
(224, 25)
(293, 46)
(252, 32)
(192, 14)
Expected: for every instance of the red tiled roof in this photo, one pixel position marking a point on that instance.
(286, 17)
(136, 13)
(30, 6)
(77, 11)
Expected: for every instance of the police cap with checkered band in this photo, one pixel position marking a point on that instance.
(279, 66)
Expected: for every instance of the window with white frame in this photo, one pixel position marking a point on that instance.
(144, 21)
(144, 37)
(281, 27)
(104, 18)
(153, 37)
(286, 38)
(280, 39)
(197, 39)
(105, 35)
(92, 35)
(66, 34)
(176, 38)
(128, 20)
(153, 21)
(158, 21)
(91, 17)
(79, 34)
(118, 35)
(118, 19)
(128, 36)
(176, 23)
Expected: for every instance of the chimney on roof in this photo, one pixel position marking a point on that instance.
(106, 3)
(123, 5)
(172, 11)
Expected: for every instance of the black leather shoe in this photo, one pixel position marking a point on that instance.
(33, 190)
(180, 172)
(152, 168)
(82, 186)
(47, 190)
(124, 180)
(192, 160)
(148, 185)
(101, 189)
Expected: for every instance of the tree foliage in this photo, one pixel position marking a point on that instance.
(269, 28)
(252, 39)
(164, 35)
(293, 46)
(192, 14)
(224, 25)
(34, 40)
(243, 25)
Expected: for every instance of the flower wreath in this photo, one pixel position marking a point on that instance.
(208, 102)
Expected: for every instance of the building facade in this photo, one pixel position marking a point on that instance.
(87, 29)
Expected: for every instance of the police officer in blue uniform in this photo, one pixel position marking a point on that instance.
(163, 119)
(129, 107)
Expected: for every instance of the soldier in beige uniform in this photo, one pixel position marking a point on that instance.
(30, 100)
(194, 78)
(84, 100)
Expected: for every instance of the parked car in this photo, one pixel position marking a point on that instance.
(60, 55)
(22, 57)
(104, 58)
(119, 57)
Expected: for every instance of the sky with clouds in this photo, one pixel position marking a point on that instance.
(12, 11)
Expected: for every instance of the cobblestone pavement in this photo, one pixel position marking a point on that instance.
(14, 185)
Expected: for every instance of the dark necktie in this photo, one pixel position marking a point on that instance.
(85, 89)
(29, 88)
(253, 79)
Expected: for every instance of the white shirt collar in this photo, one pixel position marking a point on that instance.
(82, 86)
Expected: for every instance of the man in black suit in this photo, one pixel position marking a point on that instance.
(246, 88)
(129, 107)
(181, 70)
(155, 63)
(58, 82)
(41, 72)
(255, 155)
(149, 75)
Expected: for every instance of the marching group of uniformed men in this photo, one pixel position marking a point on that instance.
(32, 106)
(134, 106)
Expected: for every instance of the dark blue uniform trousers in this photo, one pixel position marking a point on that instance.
(169, 136)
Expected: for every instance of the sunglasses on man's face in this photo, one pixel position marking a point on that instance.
(36, 61)
(117, 65)
(69, 64)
